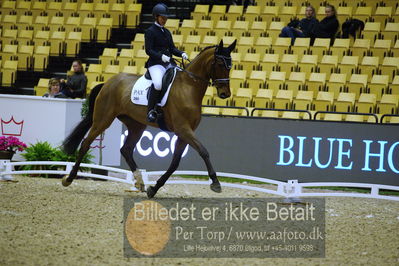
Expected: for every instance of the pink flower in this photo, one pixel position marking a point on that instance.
(11, 144)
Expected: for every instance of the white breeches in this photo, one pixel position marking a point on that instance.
(157, 72)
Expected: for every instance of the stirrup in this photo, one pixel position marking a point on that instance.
(152, 115)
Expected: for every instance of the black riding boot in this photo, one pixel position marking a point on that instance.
(152, 101)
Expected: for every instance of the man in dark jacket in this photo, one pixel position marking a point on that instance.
(328, 26)
(302, 28)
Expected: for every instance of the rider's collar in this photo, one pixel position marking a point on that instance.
(156, 23)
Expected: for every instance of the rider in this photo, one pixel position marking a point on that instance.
(159, 47)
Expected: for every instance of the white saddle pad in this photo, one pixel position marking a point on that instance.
(140, 90)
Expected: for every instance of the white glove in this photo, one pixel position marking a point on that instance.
(165, 58)
(184, 56)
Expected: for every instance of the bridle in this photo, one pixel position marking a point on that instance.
(227, 62)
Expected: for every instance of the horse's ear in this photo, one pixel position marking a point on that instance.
(220, 45)
(232, 46)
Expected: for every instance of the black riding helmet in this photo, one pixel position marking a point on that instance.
(160, 10)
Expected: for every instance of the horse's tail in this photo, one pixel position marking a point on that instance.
(72, 142)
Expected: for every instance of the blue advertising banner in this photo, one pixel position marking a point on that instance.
(281, 149)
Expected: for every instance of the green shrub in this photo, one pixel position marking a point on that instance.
(43, 151)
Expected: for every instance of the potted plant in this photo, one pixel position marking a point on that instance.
(43, 151)
(9, 145)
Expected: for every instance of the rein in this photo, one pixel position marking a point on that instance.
(214, 82)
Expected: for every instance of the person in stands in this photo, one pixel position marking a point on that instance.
(75, 85)
(328, 26)
(54, 89)
(302, 28)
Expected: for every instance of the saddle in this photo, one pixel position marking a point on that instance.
(167, 80)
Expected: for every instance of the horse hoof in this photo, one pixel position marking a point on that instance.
(151, 192)
(216, 187)
(65, 181)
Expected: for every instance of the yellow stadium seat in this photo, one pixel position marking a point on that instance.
(340, 47)
(354, 118)
(281, 45)
(208, 97)
(378, 85)
(366, 103)
(363, 13)
(211, 110)
(187, 27)
(269, 62)
(25, 35)
(263, 45)
(57, 43)
(301, 46)
(308, 64)
(208, 41)
(382, 13)
(336, 84)
(41, 58)
(316, 82)
(237, 79)
(172, 24)
(343, 13)
(56, 23)
(86, 8)
(348, 64)
(369, 66)
(245, 44)
(9, 73)
(303, 100)
(395, 49)
(71, 23)
(38, 7)
(283, 99)
(290, 115)
(88, 27)
(93, 74)
(41, 87)
(239, 28)
(390, 67)
(252, 13)
(217, 12)
(117, 13)
(258, 28)
(295, 82)
(104, 27)
(130, 70)
(269, 113)
(200, 11)
(243, 97)
(288, 63)
(276, 81)
(9, 36)
(25, 20)
(388, 104)
(133, 12)
(25, 57)
(333, 117)
(328, 64)
(275, 29)
(323, 101)
(234, 12)
(381, 48)
(357, 84)
(263, 98)
(256, 81)
(270, 12)
(230, 112)
(250, 61)
(9, 51)
(394, 86)
(192, 43)
(287, 13)
(345, 102)
(9, 21)
(110, 71)
(391, 32)
(204, 26)
(371, 30)
(360, 48)
(73, 43)
(320, 47)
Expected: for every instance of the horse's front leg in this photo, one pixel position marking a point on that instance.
(179, 149)
(189, 137)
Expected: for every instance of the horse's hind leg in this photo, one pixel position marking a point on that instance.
(99, 125)
(179, 149)
(135, 130)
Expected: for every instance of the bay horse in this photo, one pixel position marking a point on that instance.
(182, 112)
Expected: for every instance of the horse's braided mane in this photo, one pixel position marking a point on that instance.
(206, 48)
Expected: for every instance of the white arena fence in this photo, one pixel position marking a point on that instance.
(291, 189)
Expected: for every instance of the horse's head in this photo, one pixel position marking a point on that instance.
(221, 69)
